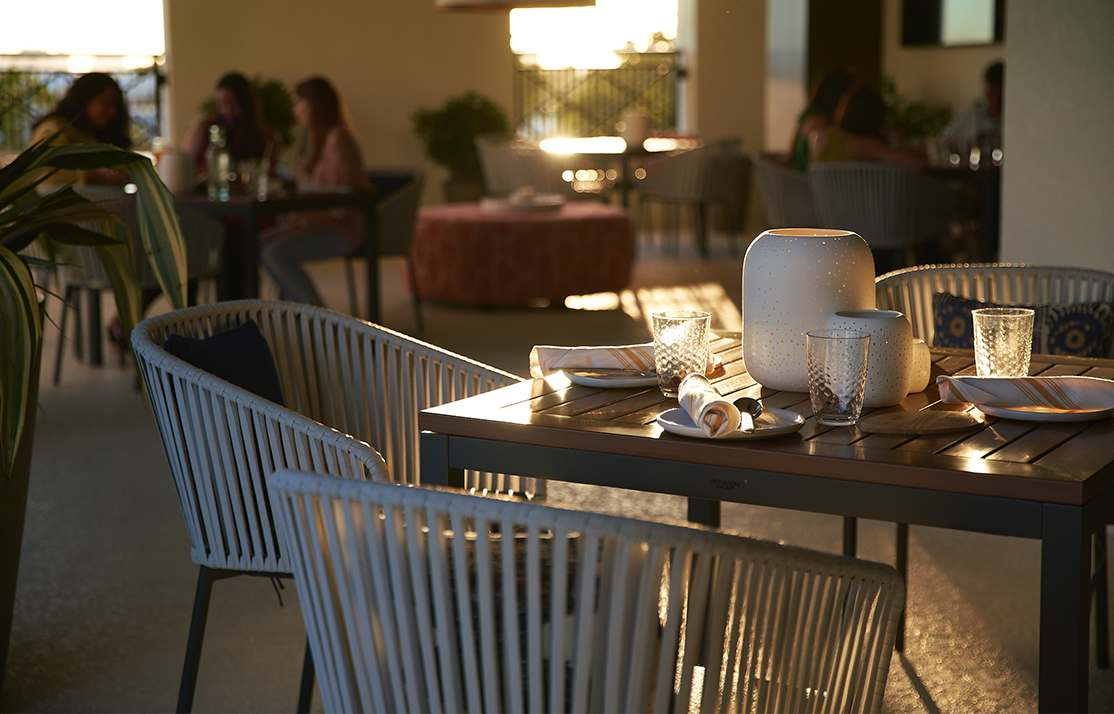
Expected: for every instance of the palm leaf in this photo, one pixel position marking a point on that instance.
(26, 216)
(22, 330)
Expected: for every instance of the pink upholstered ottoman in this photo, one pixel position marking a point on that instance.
(465, 253)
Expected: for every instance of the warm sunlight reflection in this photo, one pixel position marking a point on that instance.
(585, 145)
(589, 37)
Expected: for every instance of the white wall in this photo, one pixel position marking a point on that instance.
(1058, 182)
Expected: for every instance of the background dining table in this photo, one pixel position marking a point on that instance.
(243, 213)
(1048, 481)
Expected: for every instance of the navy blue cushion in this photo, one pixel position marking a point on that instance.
(1077, 330)
(240, 356)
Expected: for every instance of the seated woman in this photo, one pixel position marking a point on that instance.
(817, 116)
(239, 111)
(91, 111)
(333, 159)
(859, 135)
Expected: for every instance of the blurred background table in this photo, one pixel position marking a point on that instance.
(466, 253)
(243, 214)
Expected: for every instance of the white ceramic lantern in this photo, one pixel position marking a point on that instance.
(794, 279)
(897, 363)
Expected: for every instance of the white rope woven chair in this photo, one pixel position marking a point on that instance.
(677, 180)
(353, 391)
(414, 602)
(894, 208)
(911, 291)
(786, 194)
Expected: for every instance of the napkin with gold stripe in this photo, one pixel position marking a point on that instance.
(1063, 393)
(545, 359)
(708, 410)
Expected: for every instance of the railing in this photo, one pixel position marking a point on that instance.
(576, 103)
(27, 95)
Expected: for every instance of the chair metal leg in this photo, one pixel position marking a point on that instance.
(349, 271)
(415, 296)
(205, 579)
(70, 294)
(305, 694)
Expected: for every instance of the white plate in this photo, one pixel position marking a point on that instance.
(539, 202)
(1045, 414)
(772, 422)
(618, 381)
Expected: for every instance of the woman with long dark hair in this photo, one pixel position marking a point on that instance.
(93, 110)
(332, 158)
(240, 112)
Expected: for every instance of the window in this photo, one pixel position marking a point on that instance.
(39, 59)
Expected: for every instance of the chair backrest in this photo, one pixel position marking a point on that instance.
(889, 206)
(400, 195)
(911, 290)
(352, 393)
(786, 194)
(495, 153)
(203, 235)
(420, 600)
(729, 178)
(684, 177)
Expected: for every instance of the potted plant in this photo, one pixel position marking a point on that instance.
(448, 134)
(54, 219)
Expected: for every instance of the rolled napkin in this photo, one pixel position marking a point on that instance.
(1064, 393)
(545, 359)
(712, 413)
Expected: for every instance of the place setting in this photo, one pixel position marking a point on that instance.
(1002, 386)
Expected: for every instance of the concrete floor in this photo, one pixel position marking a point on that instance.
(106, 583)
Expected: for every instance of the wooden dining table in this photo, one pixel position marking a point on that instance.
(247, 211)
(1048, 481)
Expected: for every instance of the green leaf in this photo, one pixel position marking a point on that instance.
(26, 216)
(21, 333)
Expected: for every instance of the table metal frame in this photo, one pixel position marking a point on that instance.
(243, 279)
(500, 432)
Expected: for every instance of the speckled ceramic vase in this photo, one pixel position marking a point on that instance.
(794, 279)
(897, 364)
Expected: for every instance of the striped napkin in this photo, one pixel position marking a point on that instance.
(1066, 393)
(545, 359)
(712, 413)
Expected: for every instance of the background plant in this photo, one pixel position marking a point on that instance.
(448, 132)
(912, 119)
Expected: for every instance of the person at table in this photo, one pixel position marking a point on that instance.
(240, 112)
(859, 134)
(93, 110)
(332, 160)
(817, 116)
(982, 122)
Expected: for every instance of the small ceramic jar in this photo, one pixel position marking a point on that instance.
(897, 364)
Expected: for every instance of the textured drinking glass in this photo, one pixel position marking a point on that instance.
(837, 374)
(1003, 341)
(680, 346)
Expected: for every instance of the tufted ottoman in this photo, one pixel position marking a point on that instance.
(464, 253)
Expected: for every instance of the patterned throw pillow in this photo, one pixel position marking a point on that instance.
(1079, 330)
